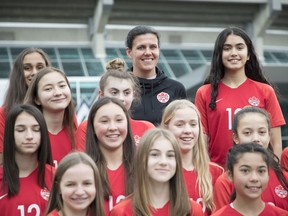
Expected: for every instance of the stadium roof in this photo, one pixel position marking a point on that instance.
(186, 13)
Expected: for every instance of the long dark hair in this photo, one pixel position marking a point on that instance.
(69, 113)
(237, 151)
(217, 71)
(275, 162)
(94, 151)
(10, 166)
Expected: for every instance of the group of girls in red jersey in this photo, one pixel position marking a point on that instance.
(128, 171)
(252, 124)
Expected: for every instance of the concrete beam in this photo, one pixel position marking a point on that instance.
(262, 21)
(97, 27)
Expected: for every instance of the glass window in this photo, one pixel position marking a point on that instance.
(280, 56)
(94, 68)
(207, 54)
(87, 53)
(166, 68)
(171, 55)
(68, 53)
(55, 64)
(192, 55)
(195, 66)
(111, 54)
(51, 53)
(3, 54)
(179, 69)
(15, 52)
(4, 70)
(73, 68)
(269, 58)
(124, 55)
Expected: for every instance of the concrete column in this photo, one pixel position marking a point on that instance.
(262, 21)
(97, 27)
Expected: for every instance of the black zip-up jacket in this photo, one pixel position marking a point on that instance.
(156, 94)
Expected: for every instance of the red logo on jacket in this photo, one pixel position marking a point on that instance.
(163, 97)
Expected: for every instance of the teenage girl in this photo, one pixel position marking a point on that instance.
(159, 187)
(248, 169)
(51, 93)
(26, 65)
(111, 145)
(252, 124)
(235, 81)
(121, 84)
(77, 188)
(26, 175)
(182, 118)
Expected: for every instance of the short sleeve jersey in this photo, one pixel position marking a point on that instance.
(217, 123)
(31, 199)
(56, 213)
(117, 186)
(269, 210)
(125, 209)
(53, 213)
(61, 145)
(274, 193)
(138, 128)
(190, 178)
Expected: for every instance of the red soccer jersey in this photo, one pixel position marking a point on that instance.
(2, 125)
(269, 210)
(117, 186)
(53, 213)
(190, 178)
(284, 158)
(31, 199)
(138, 128)
(61, 145)
(273, 194)
(125, 209)
(217, 124)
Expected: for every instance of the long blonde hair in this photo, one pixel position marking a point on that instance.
(179, 200)
(200, 157)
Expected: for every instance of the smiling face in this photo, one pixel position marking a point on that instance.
(110, 126)
(250, 176)
(32, 63)
(27, 134)
(119, 88)
(234, 54)
(144, 55)
(161, 164)
(54, 93)
(253, 127)
(77, 188)
(185, 127)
